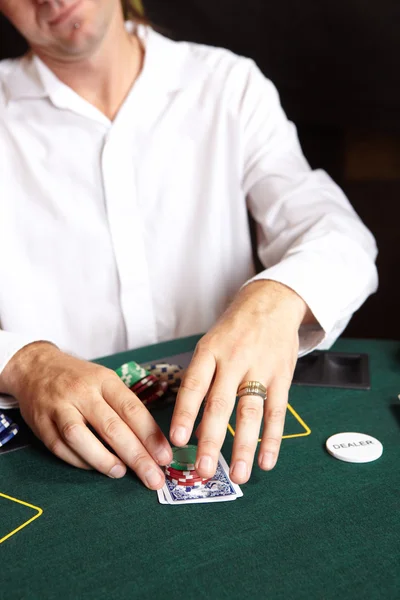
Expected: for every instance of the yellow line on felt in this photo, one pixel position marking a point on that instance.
(302, 423)
(285, 437)
(39, 512)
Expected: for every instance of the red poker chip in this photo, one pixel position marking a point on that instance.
(191, 485)
(144, 383)
(187, 485)
(159, 385)
(153, 397)
(182, 474)
(186, 482)
(146, 390)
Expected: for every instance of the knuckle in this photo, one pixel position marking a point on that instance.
(185, 415)
(108, 373)
(203, 347)
(191, 383)
(217, 405)
(110, 381)
(37, 420)
(204, 350)
(111, 428)
(55, 446)
(103, 464)
(150, 439)
(138, 460)
(244, 448)
(131, 408)
(210, 445)
(70, 431)
(275, 415)
(272, 443)
(239, 352)
(250, 412)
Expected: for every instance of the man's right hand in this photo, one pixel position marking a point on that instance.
(59, 396)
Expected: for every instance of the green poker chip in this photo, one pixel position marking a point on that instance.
(184, 458)
(131, 373)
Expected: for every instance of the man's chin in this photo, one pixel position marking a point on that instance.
(78, 44)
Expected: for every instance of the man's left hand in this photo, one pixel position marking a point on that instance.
(256, 339)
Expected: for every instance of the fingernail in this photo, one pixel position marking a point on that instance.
(239, 470)
(179, 434)
(117, 472)
(268, 461)
(153, 478)
(206, 464)
(163, 456)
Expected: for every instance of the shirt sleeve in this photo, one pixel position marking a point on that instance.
(309, 237)
(10, 343)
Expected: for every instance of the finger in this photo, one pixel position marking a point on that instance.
(194, 387)
(249, 415)
(274, 422)
(140, 421)
(124, 442)
(212, 431)
(81, 440)
(52, 440)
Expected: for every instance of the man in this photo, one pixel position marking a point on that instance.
(127, 165)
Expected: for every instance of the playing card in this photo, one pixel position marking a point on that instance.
(218, 489)
(161, 497)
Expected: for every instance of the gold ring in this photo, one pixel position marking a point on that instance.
(252, 392)
(253, 385)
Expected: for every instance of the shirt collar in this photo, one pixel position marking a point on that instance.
(23, 80)
(165, 66)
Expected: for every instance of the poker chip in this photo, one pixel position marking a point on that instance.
(181, 471)
(5, 422)
(189, 482)
(131, 373)
(152, 395)
(194, 478)
(190, 485)
(183, 458)
(8, 434)
(354, 447)
(175, 473)
(150, 382)
(144, 383)
(172, 374)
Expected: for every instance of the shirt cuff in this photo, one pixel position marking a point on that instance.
(302, 280)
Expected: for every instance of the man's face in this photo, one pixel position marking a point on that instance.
(62, 29)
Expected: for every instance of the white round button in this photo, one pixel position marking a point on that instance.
(354, 447)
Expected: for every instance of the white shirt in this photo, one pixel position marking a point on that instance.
(115, 235)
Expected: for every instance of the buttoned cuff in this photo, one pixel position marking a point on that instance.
(317, 295)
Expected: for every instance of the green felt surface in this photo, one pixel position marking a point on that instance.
(314, 527)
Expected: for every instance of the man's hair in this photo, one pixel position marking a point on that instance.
(132, 11)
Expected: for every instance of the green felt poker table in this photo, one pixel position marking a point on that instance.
(314, 527)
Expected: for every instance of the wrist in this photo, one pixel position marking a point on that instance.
(266, 294)
(24, 362)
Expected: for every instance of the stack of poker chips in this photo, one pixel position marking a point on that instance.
(172, 374)
(181, 471)
(8, 429)
(144, 384)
